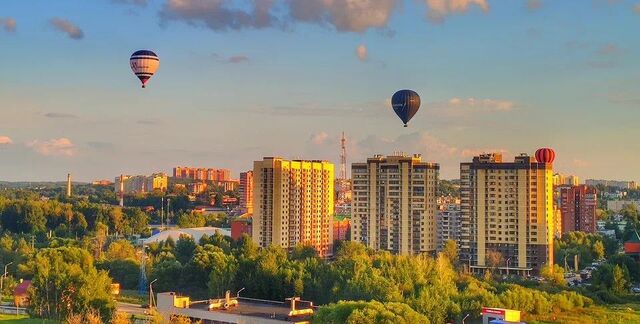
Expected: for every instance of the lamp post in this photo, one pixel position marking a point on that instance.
(3, 276)
(465, 318)
(508, 259)
(151, 293)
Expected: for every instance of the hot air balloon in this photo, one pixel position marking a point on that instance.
(406, 104)
(545, 155)
(144, 64)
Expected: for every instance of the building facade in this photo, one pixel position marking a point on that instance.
(202, 174)
(394, 204)
(141, 183)
(447, 224)
(612, 183)
(578, 206)
(246, 191)
(507, 214)
(565, 180)
(293, 204)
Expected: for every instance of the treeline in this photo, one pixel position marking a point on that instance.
(425, 287)
(68, 219)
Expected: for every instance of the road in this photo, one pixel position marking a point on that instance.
(133, 309)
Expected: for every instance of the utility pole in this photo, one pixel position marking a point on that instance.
(151, 293)
(161, 213)
(3, 276)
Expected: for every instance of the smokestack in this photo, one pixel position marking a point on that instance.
(68, 185)
(121, 190)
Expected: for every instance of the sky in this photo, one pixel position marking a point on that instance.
(243, 79)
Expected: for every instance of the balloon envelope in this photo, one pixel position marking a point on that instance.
(144, 64)
(405, 103)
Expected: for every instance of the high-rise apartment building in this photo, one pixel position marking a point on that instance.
(567, 180)
(447, 224)
(507, 213)
(203, 174)
(246, 191)
(293, 203)
(578, 206)
(141, 183)
(394, 204)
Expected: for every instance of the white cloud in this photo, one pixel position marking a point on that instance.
(319, 138)
(67, 27)
(53, 147)
(480, 105)
(5, 140)
(344, 15)
(8, 24)
(440, 9)
(362, 52)
(220, 14)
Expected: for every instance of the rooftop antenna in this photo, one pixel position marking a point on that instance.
(343, 158)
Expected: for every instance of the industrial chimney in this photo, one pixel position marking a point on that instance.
(121, 190)
(68, 185)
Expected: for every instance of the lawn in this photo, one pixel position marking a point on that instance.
(622, 314)
(23, 319)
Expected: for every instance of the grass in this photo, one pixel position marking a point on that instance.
(23, 319)
(132, 297)
(621, 314)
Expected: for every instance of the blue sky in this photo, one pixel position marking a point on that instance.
(235, 85)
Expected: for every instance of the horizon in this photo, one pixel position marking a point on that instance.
(287, 78)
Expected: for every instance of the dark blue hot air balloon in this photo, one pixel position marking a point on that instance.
(406, 104)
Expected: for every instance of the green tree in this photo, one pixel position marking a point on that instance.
(184, 248)
(223, 273)
(620, 282)
(189, 220)
(554, 274)
(450, 251)
(361, 312)
(598, 250)
(65, 282)
(120, 250)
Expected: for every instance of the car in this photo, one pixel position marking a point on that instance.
(635, 290)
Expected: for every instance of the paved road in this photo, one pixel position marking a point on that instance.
(133, 309)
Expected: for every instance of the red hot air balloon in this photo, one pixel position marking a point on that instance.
(545, 155)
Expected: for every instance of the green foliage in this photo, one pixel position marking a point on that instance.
(65, 282)
(120, 250)
(126, 272)
(588, 246)
(612, 278)
(189, 220)
(184, 248)
(554, 274)
(361, 312)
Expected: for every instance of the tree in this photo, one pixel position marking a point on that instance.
(598, 250)
(120, 250)
(554, 274)
(450, 251)
(223, 273)
(189, 220)
(125, 272)
(184, 248)
(361, 312)
(66, 282)
(494, 259)
(620, 284)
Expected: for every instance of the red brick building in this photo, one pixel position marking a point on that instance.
(241, 225)
(578, 207)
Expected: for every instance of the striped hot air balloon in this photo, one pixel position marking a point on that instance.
(144, 64)
(545, 155)
(405, 104)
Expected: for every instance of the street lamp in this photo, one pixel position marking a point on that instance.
(3, 276)
(508, 259)
(151, 293)
(465, 318)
